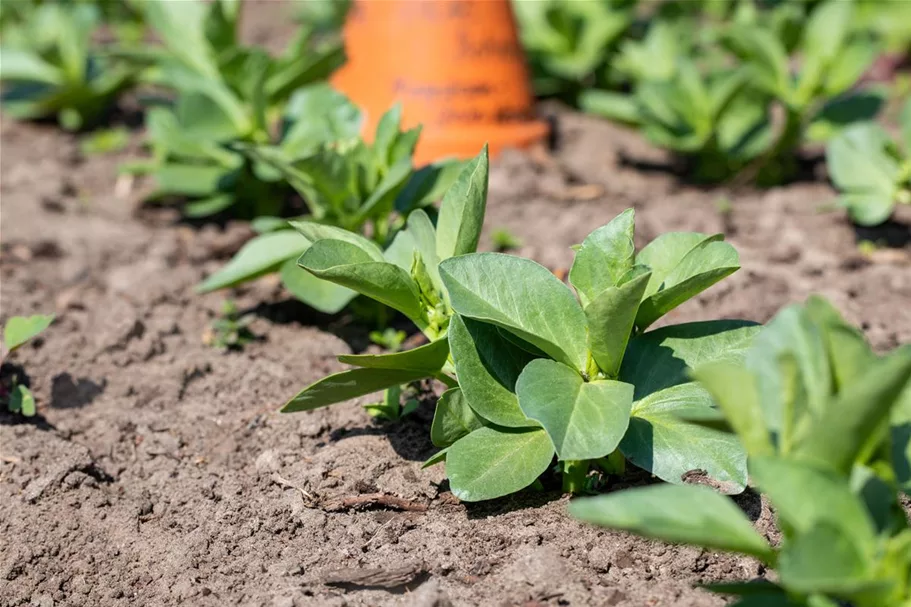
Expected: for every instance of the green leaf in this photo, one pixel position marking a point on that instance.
(181, 27)
(850, 356)
(319, 115)
(868, 209)
(901, 441)
(436, 458)
(614, 106)
(322, 295)
(827, 28)
(687, 515)
(428, 358)
(788, 483)
(23, 66)
(350, 266)
(611, 316)
(313, 231)
(858, 163)
(584, 420)
(462, 209)
(661, 441)
(605, 256)
(488, 367)
(823, 559)
(22, 401)
(703, 266)
(664, 357)
(491, 463)
(382, 198)
(453, 419)
(263, 254)
(190, 180)
(733, 389)
(845, 427)
(346, 385)
(20, 329)
(522, 297)
(386, 131)
(208, 206)
(790, 334)
(428, 185)
(665, 252)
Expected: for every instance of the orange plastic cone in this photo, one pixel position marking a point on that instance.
(456, 67)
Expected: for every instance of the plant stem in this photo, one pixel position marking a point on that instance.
(574, 473)
(614, 463)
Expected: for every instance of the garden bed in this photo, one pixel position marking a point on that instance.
(160, 473)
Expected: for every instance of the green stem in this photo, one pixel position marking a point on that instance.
(449, 381)
(574, 473)
(614, 464)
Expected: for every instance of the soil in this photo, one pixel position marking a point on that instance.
(159, 472)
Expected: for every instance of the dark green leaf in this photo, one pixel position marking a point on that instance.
(350, 384)
(453, 419)
(462, 209)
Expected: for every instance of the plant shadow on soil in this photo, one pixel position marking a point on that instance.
(893, 234)
(408, 437)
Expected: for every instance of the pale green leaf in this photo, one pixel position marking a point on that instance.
(488, 366)
(322, 295)
(428, 358)
(350, 266)
(350, 384)
(687, 515)
(584, 420)
(605, 256)
(263, 254)
(611, 316)
(462, 210)
(522, 297)
(491, 463)
(453, 419)
(20, 329)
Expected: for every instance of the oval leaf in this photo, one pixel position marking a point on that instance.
(661, 441)
(487, 367)
(605, 256)
(584, 420)
(521, 296)
(350, 266)
(20, 329)
(491, 463)
(453, 419)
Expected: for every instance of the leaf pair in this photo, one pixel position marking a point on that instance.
(824, 422)
(17, 331)
(533, 363)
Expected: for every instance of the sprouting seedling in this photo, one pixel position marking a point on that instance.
(546, 373)
(389, 339)
(349, 186)
(18, 331)
(824, 421)
(49, 68)
(872, 171)
(231, 330)
(391, 407)
(504, 240)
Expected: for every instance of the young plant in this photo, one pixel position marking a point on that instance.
(48, 67)
(405, 277)
(545, 373)
(825, 423)
(349, 187)
(872, 170)
(816, 100)
(226, 95)
(570, 44)
(18, 331)
(231, 330)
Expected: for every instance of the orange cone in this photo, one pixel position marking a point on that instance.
(456, 67)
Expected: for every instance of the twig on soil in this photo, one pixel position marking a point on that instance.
(278, 480)
(374, 578)
(373, 500)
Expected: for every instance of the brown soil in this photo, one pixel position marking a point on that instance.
(159, 473)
